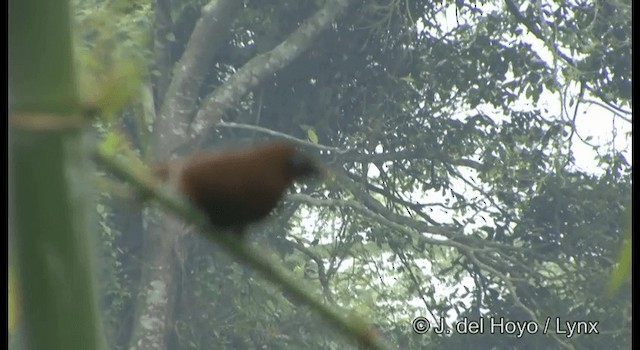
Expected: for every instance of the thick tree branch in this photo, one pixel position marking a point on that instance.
(180, 100)
(161, 45)
(266, 64)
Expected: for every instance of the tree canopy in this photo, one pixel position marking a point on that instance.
(450, 131)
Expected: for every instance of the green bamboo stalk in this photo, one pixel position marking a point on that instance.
(48, 179)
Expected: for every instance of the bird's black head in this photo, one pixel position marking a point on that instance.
(303, 166)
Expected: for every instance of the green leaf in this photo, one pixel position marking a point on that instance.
(14, 305)
(408, 79)
(623, 266)
(110, 143)
(118, 90)
(311, 134)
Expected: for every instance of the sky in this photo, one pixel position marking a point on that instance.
(604, 128)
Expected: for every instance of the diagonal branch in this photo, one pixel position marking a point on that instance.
(350, 324)
(281, 135)
(161, 44)
(181, 97)
(266, 64)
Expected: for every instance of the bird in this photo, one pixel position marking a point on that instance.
(238, 187)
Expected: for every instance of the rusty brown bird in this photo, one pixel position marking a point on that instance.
(238, 187)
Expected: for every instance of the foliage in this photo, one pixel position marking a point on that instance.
(455, 190)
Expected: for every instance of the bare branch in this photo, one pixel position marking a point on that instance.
(260, 129)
